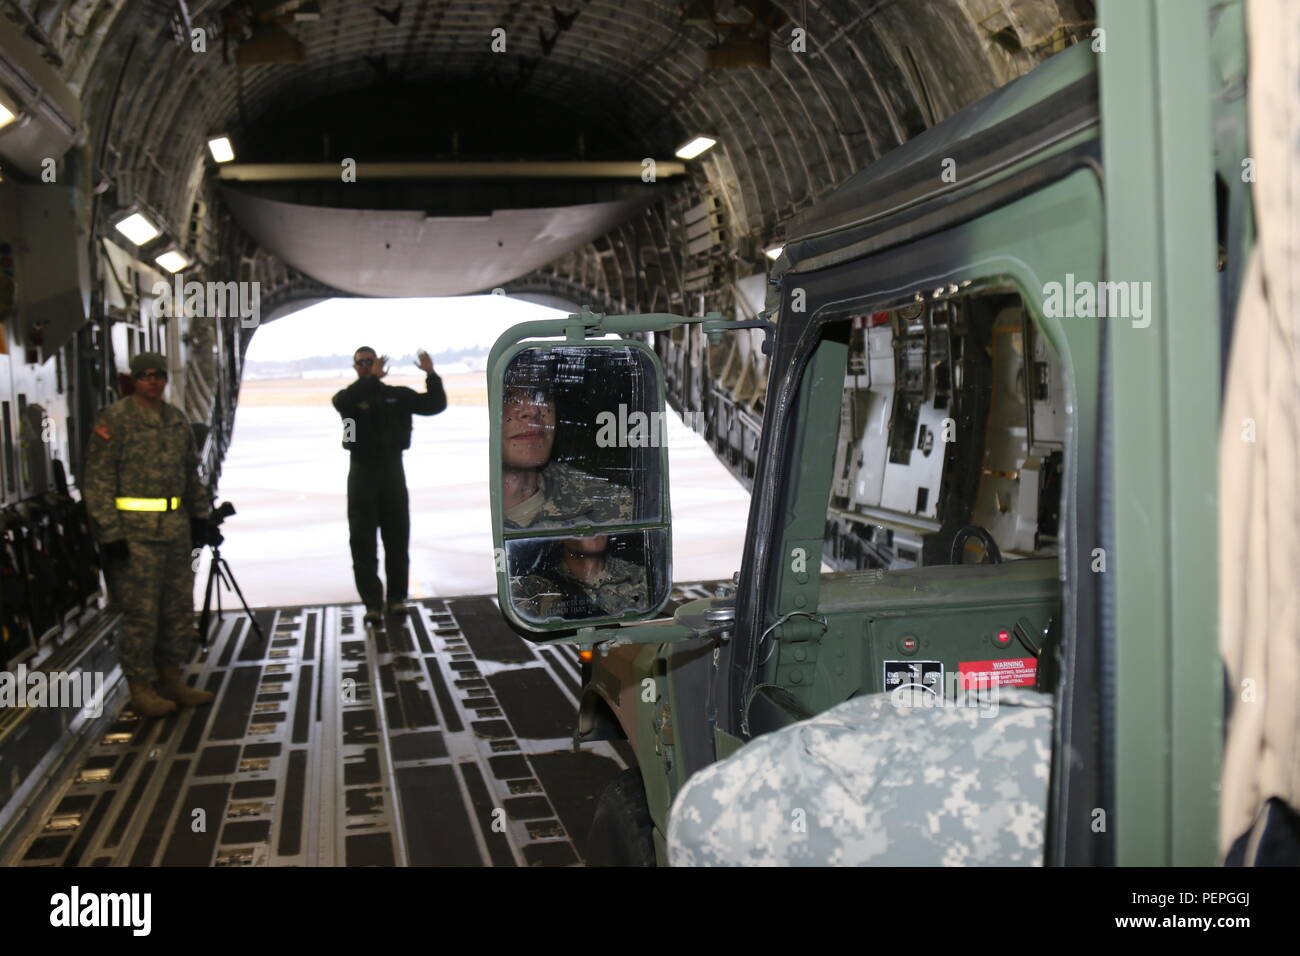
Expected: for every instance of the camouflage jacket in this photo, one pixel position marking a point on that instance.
(872, 782)
(567, 497)
(620, 587)
(132, 455)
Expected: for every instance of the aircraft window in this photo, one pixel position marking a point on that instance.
(952, 430)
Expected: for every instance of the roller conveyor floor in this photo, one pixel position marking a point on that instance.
(444, 739)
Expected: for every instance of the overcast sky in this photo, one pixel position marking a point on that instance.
(392, 326)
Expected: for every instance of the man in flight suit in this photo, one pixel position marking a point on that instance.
(143, 495)
(376, 430)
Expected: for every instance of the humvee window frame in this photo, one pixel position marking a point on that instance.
(989, 248)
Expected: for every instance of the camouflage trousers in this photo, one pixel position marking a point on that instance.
(154, 590)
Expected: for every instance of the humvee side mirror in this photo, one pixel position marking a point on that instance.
(579, 473)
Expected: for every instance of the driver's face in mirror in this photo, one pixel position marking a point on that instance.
(527, 428)
(579, 578)
(539, 489)
(587, 547)
(585, 557)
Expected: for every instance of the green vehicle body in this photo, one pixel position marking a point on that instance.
(1098, 166)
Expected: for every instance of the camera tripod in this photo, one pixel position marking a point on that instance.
(219, 574)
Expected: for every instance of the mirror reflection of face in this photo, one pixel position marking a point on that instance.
(587, 547)
(582, 578)
(527, 428)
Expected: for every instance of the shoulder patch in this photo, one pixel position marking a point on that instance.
(102, 431)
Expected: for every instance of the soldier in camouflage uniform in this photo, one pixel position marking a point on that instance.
(148, 509)
(575, 579)
(539, 493)
(875, 783)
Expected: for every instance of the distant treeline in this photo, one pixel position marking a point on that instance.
(395, 362)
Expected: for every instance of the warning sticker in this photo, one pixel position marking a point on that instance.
(1017, 672)
(925, 674)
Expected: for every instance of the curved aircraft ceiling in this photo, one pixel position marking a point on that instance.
(798, 94)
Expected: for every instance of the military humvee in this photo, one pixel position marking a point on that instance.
(988, 442)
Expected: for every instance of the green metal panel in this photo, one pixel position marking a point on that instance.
(952, 610)
(724, 744)
(1160, 227)
(650, 757)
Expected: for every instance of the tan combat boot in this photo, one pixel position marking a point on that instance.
(146, 703)
(173, 688)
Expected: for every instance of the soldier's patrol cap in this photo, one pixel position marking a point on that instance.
(147, 360)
